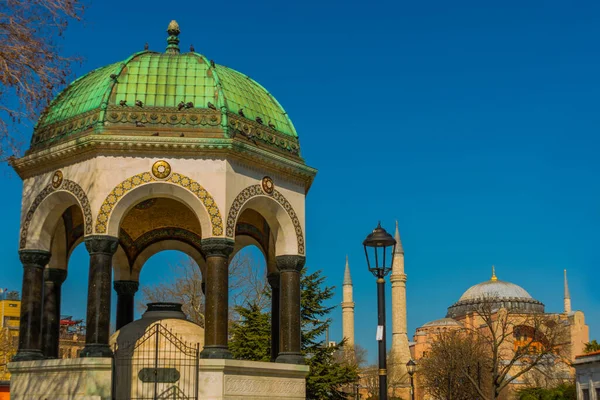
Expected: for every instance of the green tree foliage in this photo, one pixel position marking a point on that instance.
(591, 346)
(562, 392)
(328, 375)
(251, 334)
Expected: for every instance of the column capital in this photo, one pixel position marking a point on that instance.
(55, 275)
(217, 247)
(126, 287)
(273, 278)
(34, 258)
(290, 262)
(101, 244)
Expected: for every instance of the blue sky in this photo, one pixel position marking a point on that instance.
(475, 125)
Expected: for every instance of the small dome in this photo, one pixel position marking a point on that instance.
(495, 288)
(442, 322)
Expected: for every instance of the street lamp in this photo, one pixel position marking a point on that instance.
(379, 243)
(411, 368)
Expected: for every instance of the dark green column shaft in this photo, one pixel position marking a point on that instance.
(289, 314)
(53, 280)
(30, 328)
(125, 301)
(101, 249)
(216, 313)
(274, 283)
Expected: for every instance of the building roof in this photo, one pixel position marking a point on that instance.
(442, 322)
(495, 288)
(499, 293)
(148, 79)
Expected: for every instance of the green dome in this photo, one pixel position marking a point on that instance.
(155, 82)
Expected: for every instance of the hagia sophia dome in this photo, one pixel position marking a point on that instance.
(502, 293)
(172, 89)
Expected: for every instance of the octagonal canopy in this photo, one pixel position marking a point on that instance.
(151, 80)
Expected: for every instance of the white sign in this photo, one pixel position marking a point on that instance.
(379, 333)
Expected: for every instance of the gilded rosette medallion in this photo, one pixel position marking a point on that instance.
(267, 185)
(57, 179)
(161, 169)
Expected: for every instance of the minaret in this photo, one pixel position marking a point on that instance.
(567, 298)
(400, 349)
(348, 308)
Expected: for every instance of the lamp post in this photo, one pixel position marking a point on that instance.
(411, 368)
(379, 243)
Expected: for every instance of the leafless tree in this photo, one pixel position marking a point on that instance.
(517, 342)
(247, 283)
(510, 344)
(453, 357)
(369, 381)
(32, 68)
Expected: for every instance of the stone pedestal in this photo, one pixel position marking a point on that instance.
(66, 379)
(251, 380)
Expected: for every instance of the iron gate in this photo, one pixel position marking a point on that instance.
(159, 365)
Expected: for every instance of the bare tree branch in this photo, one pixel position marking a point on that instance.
(31, 66)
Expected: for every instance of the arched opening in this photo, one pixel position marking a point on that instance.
(172, 276)
(42, 219)
(73, 313)
(285, 230)
(63, 329)
(148, 199)
(151, 226)
(254, 257)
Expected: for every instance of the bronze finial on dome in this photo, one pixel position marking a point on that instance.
(173, 40)
(494, 278)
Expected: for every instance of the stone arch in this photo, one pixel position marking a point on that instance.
(146, 185)
(254, 197)
(40, 221)
(268, 251)
(163, 245)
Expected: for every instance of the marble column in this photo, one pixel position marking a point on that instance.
(289, 267)
(53, 280)
(216, 315)
(30, 328)
(125, 295)
(273, 278)
(101, 249)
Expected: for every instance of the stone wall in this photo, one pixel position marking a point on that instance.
(67, 379)
(251, 380)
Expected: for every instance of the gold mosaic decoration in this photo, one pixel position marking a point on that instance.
(57, 179)
(146, 177)
(64, 185)
(257, 190)
(267, 185)
(161, 169)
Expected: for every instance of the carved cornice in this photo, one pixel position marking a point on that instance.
(55, 132)
(126, 287)
(87, 146)
(101, 244)
(290, 263)
(157, 116)
(256, 132)
(55, 275)
(34, 258)
(217, 247)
